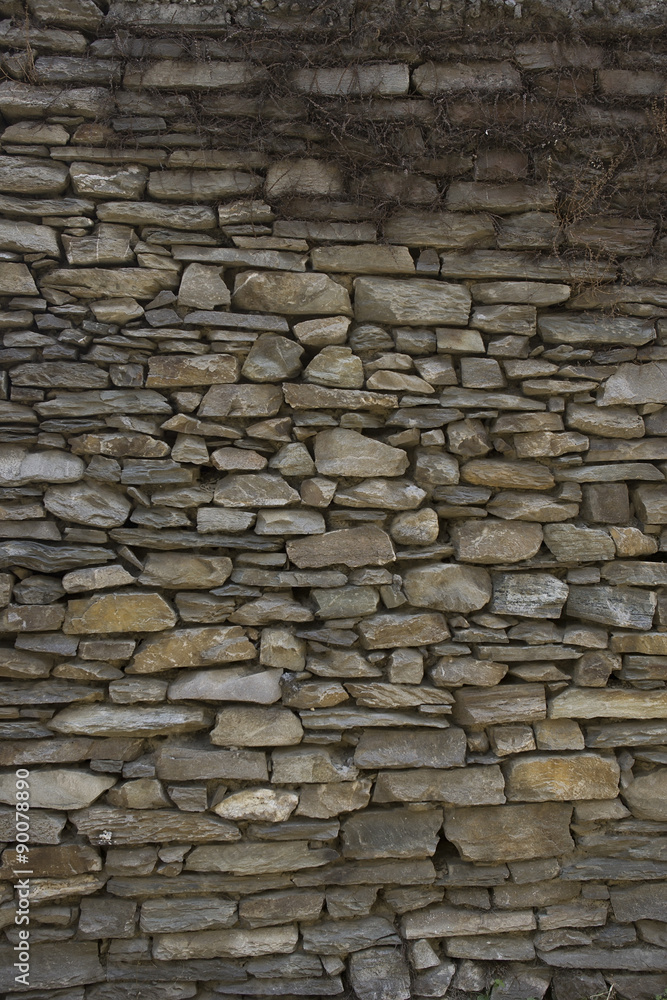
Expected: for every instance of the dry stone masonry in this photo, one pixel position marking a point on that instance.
(333, 498)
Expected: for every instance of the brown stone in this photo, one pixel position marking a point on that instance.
(497, 834)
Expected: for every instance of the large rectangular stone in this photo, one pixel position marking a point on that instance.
(612, 703)
(391, 833)
(629, 607)
(443, 230)
(470, 786)
(503, 703)
(492, 834)
(454, 921)
(416, 302)
(567, 776)
(593, 328)
(411, 749)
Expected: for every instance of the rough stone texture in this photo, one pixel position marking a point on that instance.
(333, 447)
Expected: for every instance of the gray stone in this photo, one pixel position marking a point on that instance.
(53, 965)
(587, 328)
(18, 466)
(116, 720)
(417, 302)
(339, 937)
(411, 749)
(531, 595)
(26, 237)
(272, 358)
(645, 795)
(628, 607)
(232, 684)
(87, 503)
(257, 859)
(202, 913)
(397, 833)
(58, 788)
(470, 786)
(225, 943)
(379, 974)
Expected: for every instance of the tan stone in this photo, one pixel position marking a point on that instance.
(616, 703)
(418, 302)
(543, 778)
(498, 834)
(492, 541)
(350, 546)
(290, 293)
(248, 726)
(402, 628)
(192, 647)
(176, 570)
(340, 452)
(447, 587)
(507, 475)
(646, 796)
(176, 370)
(129, 611)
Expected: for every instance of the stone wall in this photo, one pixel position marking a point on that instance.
(333, 445)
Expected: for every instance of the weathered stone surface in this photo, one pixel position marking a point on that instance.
(629, 607)
(645, 795)
(123, 612)
(496, 541)
(294, 294)
(568, 776)
(379, 974)
(447, 587)
(496, 834)
(472, 786)
(53, 965)
(531, 595)
(508, 475)
(350, 546)
(88, 503)
(391, 833)
(402, 628)
(347, 453)
(411, 749)
(418, 302)
(333, 937)
(225, 943)
(586, 328)
(232, 684)
(18, 466)
(508, 703)
(58, 788)
(116, 720)
(192, 647)
(180, 370)
(256, 727)
(176, 570)
(98, 282)
(593, 703)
